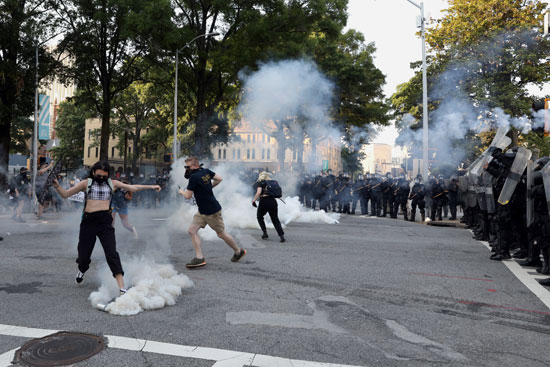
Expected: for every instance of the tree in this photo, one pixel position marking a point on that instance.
(252, 31)
(106, 40)
(23, 25)
(134, 109)
(70, 130)
(484, 53)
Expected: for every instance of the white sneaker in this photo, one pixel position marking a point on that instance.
(123, 291)
(134, 232)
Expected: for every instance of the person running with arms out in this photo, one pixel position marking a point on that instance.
(201, 182)
(97, 220)
(120, 206)
(268, 204)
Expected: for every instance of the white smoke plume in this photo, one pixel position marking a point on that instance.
(293, 96)
(235, 197)
(457, 115)
(151, 286)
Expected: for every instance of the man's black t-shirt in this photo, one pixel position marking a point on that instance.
(200, 182)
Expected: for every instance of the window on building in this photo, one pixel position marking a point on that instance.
(254, 138)
(253, 153)
(129, 150)
(263, 153)
(294, 155)
(238, 154)
(263, 138)
(90, 134)
(112, 152)
(89, 149)
(248, 138)
(96, 152)
(248, 154)
(219, 154)
(224, 154)
(233, 153)
(268, 154)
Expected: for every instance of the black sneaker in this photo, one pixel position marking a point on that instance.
(79, 277)
(265, 236)
(238, 256)
(283, 239)
(196, 262)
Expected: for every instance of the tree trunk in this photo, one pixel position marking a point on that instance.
(137, 135)
(126, 150)
(105, 126)
(5, 138)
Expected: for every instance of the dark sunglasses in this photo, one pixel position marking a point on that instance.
(186, 167)
(100, 176)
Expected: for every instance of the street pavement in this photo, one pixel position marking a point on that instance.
(365, 292)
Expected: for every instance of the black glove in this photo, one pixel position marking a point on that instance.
(254, 204)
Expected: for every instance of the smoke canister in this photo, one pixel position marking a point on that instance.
(101, 307)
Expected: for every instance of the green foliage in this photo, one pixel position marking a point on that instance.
(106, 41)
(488, 51)
(23, 25)
(535, 140)
(351, 160)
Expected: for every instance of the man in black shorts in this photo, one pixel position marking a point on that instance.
(210, 211)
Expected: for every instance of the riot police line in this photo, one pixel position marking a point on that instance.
(384, 195)
(504, 196)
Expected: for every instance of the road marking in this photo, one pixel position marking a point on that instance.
(159, 219)
(7, 358)
(528, 280)
(222, 357)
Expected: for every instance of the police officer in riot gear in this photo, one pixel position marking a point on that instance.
(417, 198)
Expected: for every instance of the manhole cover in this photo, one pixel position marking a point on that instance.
(60, 349)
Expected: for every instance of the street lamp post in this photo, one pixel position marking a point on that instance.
(424, 93)
(175, 143)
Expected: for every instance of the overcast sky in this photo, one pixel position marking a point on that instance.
(391, 25)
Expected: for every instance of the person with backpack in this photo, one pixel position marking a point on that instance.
(268, 191)
(96, 218)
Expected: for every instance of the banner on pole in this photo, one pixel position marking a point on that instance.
(44, 117)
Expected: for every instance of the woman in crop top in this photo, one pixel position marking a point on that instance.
(268, 204)
(97, 220)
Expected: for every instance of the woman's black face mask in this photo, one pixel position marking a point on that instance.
(100, 179)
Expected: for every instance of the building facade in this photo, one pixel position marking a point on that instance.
(255, 149)
(150, 164)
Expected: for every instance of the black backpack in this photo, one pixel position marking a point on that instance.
(273, 189)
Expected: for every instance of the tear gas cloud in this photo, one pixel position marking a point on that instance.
(457, 115)
(294, 96)
(235, 197)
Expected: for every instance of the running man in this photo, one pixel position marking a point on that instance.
(201, 182)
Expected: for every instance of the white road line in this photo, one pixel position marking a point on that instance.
(528, 280)
(6, 358)
(222, 357)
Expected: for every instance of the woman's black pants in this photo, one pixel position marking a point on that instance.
(98, 224)
(269, 205)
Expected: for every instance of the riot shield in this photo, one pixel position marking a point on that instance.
(499, 141)
(463, 184)
(489, 195)
(480, 194)
(470, 199)
(546, 181)
(514, 176)
(530, 198)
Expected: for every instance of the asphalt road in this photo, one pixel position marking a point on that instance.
(365, 292)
